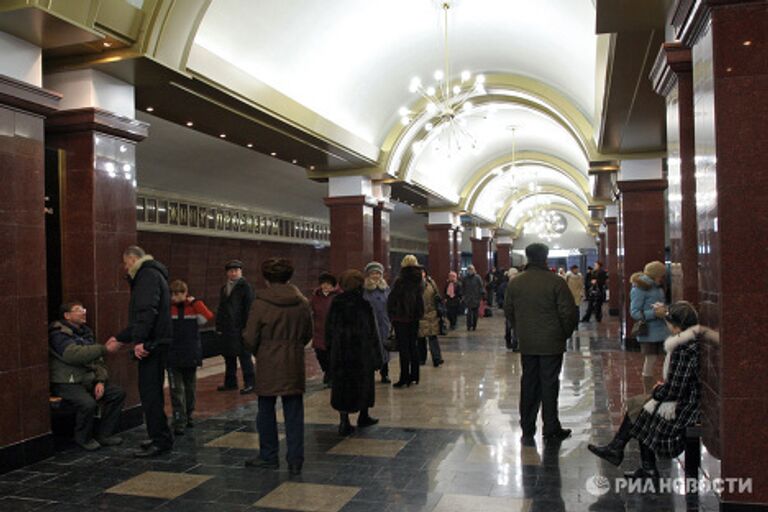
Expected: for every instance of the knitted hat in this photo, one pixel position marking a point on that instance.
(374, 266)
(682, 314)
(409, 261)
(655, 270)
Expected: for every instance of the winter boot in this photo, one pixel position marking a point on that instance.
(647, 467)
(345, 428)
(613, 452)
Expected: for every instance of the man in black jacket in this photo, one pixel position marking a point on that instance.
(231, 317)
(151, 332)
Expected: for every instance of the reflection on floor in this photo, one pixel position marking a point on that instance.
(449, 444)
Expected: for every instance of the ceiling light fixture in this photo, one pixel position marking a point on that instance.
(294, 161)
(190, 123)
(447, 99)
(223, 135)
(150, 109)
(273, 154)
(107, 44)
(249, 145)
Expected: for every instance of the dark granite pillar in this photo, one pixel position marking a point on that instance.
(457, 234)
(98, 220)
(381, 235)
(642, 217)
(351, 232)
(481, 255)
(441, 259)
(504, 255)
(612, 265)
(24, 410)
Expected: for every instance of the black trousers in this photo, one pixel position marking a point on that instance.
(85, 403)
(406, 335)
(595, 307)
(434, 349)
(323, 357)
(246, 366)
(151, 380)
(540, 387)
(453, 313)
(266, 424)
(472, 317)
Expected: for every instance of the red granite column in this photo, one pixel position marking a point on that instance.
(673, 78)
(381, 234)
(730, 77)
(457, 234)
(351, 232)
(643, 217)
(481, 254)
(24, 410)
(601, 250)
(98, 220)
(440, 238)
(504, 255)
(612, 265)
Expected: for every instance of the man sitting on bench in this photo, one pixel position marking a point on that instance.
(79, 376)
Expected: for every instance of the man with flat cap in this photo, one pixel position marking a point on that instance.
(541, 310)
(231, 318)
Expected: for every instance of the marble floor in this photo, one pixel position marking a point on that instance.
(449, 444)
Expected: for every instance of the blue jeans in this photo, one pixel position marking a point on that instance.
(266, 424)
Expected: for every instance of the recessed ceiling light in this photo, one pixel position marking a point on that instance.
(107, 44)
(249, 145)
(150, 109)
(223, 135)
(311, 167)
(294, 161)
(273, 154)
(190, 123)
(747, 43)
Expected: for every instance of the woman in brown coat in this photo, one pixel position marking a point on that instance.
(429, 325)
(279, 326)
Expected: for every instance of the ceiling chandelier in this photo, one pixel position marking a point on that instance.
(445, 101)
(547, 225)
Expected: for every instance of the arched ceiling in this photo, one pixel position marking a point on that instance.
(351, 61)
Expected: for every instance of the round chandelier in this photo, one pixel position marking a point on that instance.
(446, 100)
(547, 225)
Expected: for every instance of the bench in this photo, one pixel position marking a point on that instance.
(693, 451)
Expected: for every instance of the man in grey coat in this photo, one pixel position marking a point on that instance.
(474, 291)
(542, 312)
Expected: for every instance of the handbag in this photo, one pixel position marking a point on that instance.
(640, 328)
(439, 301)
(390, 344)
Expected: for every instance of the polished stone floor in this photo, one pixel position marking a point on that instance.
(449, 444)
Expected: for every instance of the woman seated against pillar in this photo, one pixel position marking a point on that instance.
(658, 421)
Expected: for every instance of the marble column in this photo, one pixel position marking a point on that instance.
(458, 232)
(673, 79)
(24, 409)
(643, 217)
(612, 265)
(381, 234)
(504, 253)
(98, 219)
(729, 43)
(351, 232)
(441, 259)
(481, 252)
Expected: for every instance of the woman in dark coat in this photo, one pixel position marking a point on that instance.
(355, 355)
(658, 421)
(405, 306)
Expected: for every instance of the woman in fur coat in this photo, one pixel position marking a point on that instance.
(658, 421)
(376, 292)
(355, 352)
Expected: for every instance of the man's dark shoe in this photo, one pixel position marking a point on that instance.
(90, 445)
(190, 423)
(563, 433)
(110, 441)
(178, 431)
(226, 388)
(528, 440)
(367, 421)
(385, 380)
(438, 363)
(151, 451)
(146, 444)
(247, 390)
(262, 464)
(294, 469)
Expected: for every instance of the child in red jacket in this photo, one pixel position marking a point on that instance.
(185, 353)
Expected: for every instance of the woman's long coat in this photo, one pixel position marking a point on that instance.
(429, 325)
(377, 298)
(353, 341)
(662, 423)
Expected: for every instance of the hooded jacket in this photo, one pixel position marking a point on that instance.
(541, 311)
(74, 356)
(279, 325)
(644, 294)
(149, 310)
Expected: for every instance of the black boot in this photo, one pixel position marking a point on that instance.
(647, 467)
(613, 452)
(345, 428)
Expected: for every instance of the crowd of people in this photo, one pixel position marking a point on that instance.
(353, 323)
